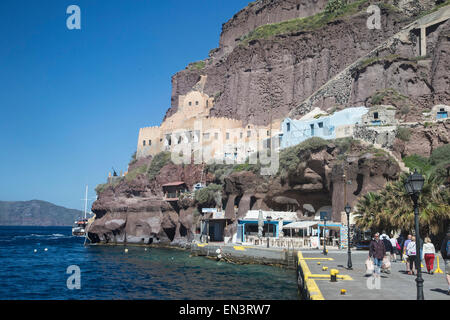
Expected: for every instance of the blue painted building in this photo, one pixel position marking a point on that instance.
(326, 127)
(440, 111)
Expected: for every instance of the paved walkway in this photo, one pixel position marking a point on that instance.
(397, 285)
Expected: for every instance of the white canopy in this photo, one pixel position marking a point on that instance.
(301, 224)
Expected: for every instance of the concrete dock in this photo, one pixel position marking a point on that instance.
(397, 285)
(246, 254)
(315, 283)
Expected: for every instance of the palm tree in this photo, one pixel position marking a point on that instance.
(391, 208)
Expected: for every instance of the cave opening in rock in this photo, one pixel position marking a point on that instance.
(237, 200)
(170, 232)
(183, 231)
(359, 181)
(252, 202)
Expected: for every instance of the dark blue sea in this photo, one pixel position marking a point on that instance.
(110, 273)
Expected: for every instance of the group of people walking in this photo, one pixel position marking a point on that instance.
(384, 250)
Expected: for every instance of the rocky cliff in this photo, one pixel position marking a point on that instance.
(310, 177)
(282, 58)
(273, 71)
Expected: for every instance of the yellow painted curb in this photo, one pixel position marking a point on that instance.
(239, 248)
(328, 259)
(327, 277)
(311, 285)
(201, 245)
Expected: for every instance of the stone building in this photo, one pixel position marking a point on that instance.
(380, 116)
(440, 111)
(192, 129)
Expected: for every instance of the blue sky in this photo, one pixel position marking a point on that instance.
(72, 101)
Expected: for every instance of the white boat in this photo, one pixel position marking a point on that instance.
(79, 228)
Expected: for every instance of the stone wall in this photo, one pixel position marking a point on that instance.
(382, 115)
(379, 135)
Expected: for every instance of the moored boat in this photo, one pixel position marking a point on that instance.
(80, 226)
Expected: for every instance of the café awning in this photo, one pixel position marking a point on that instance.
(300, 224)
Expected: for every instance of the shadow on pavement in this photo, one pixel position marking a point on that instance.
(439, 290)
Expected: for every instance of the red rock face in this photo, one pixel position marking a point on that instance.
(277, 75)
(270, 78)
(424, 139)
(263, 12)
(123, 216)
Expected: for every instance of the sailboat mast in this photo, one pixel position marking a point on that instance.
(85, 202)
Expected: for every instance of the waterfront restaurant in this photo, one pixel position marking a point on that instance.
(272, 221)
(310, 233)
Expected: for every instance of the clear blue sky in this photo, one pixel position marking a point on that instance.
(72, 101)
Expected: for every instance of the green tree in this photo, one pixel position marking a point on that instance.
(392, 209)
(211, 196)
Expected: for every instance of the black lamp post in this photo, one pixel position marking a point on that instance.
(413, 186)
(269, 218)
(325, 236)
(349, 260)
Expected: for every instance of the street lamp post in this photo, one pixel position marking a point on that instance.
(324, 236)
(349, 252)
(268, 229)
(413, 186)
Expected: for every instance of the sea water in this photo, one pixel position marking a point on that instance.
(28, 271)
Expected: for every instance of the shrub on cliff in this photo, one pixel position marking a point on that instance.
(440, 155)
(417, 162)
(335, 6)
(291, 157)
(404, 134)
(158, 162)
(211, 196)
(221, 171)
(100, 188)
(433, 167)
(135, 172)
(133, 159)
(335, 9)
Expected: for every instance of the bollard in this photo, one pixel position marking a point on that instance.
(324, 268)
(333, 275)
(343, 291)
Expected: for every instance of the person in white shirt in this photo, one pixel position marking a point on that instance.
(411, 253)
(395, 245)
(429, 254)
